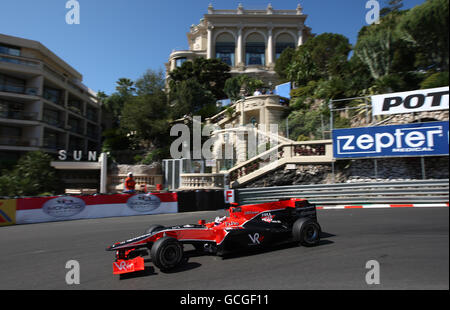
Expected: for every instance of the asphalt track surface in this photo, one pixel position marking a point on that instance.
(410, 244)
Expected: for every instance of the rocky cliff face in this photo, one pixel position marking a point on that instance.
(361, 170)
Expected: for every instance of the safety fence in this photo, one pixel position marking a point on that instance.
(426, 191)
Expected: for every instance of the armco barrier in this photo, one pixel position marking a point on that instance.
(424, 191)
(62, 208)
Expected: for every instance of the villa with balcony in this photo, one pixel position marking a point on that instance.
(249, 41)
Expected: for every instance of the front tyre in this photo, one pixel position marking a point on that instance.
(166, 253)
(154, 228)
(306, 231)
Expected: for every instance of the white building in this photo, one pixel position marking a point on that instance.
(249, 41)
(43, 103)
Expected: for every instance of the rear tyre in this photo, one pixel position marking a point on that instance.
(166, 253)
(306, 231)
(154, 228)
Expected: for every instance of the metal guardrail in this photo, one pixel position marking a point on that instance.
(423, 191)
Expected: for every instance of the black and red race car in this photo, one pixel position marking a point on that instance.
(246, 227)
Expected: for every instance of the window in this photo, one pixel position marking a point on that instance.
(92, 131)
(255, 54)
(11, 132)
(255, 50)
(225, 52)
(180, 61)
(11, 84)
(52, 117)
(284, 41)
(225, 48)
(91, 113)
(75, 125)
(10, 50)
(53, 95)
(9, 109)
(75, 105)
(280, 47)
(75, 144)
(51, 140)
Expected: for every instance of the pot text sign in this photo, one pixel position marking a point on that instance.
(412, 101)
(417, 139)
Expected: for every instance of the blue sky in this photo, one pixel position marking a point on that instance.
(124, 38)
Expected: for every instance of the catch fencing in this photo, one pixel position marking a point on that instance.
(423, 191)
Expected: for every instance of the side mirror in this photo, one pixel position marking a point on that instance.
(201, 222)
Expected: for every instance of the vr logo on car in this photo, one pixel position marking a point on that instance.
(256, 238)
(123, 265)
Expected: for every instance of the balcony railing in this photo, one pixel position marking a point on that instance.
(76, 129)
(54, 73)
(19, 115)
(53, 145)
(53, 121)
(53, 98)
(19, 61)
(92, 116)
(202, 181)
(75, 109)
(92, 134)
(18, 141)
(115, 182)
(33, 91)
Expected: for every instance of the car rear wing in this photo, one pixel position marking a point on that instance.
(302, 207)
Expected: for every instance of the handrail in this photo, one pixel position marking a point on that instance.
(262, 156)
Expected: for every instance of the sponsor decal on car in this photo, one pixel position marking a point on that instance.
(255, 238)
(267, 217)
(124, 266)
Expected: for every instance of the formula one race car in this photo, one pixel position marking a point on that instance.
(246, 227)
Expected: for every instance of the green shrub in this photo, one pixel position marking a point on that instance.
(438, 79)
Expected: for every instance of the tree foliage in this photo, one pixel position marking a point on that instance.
(195, 87)
(407, 50)
(240, 85)
(321, 57)
(138, 114)
(32, 176)
(378, 45)
(283, 62)
(426, 27)
(211, 74)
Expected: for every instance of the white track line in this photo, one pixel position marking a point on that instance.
(383, 206)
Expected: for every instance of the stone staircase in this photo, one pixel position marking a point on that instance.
(251, 163)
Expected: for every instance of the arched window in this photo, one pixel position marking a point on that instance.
(225, 48)
(284, 41)
(255, 50)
